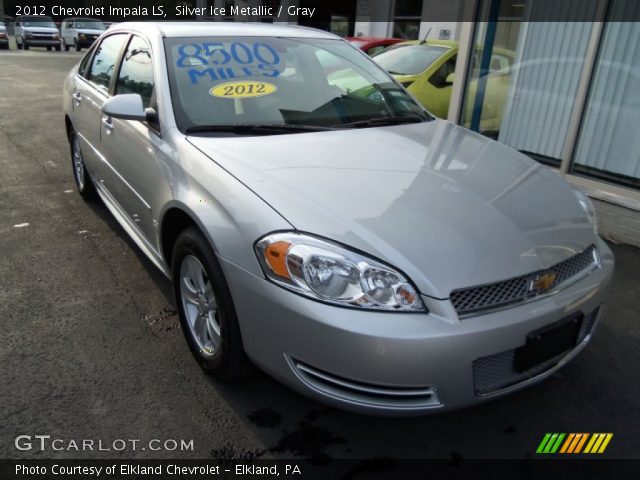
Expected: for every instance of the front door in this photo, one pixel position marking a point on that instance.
(135, 149)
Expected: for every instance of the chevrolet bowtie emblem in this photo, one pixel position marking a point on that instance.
(542, 282)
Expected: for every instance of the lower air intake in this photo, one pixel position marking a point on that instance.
(497, 372)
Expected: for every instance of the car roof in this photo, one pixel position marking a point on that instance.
(372, 39)
(86, 19)
(452, 44)
(34, 17)
(221, 29)
(434, 43)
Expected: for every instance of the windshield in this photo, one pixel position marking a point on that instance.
(38, 22)
(408, 59)
(325, 83)
(90, 25)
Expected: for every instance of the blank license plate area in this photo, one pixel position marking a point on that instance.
(547, 343)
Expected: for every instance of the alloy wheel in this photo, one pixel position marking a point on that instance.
(78, 164)
(199, 305)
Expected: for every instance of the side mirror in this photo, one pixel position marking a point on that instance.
(450, 79)
(126, 107)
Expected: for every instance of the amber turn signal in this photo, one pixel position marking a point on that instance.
(276, 257)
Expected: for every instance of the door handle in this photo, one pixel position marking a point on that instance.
(106, 122)
(77, 97)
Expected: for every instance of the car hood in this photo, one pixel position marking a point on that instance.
(89, 31)
(448, 207)
(406, 78)
(40, 30)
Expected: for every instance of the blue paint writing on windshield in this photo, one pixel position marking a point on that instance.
(228, 61)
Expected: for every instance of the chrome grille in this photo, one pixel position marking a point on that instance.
(493, 295)
(496, 372)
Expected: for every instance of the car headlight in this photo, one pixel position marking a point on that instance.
(588, 207)
(328, 272)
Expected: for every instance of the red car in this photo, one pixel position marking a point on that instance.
(372, 45)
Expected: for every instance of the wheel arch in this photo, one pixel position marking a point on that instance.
(176, 219)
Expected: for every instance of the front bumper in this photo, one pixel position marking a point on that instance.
(86, 42)
(41, 42)
(402, 363)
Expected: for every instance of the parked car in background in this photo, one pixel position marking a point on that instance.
(372, 45)
(426, 68)
(79, 33)
(4, 37)
(350, 244)
(36, 31)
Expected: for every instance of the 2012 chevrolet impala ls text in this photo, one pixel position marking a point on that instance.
(315, 219)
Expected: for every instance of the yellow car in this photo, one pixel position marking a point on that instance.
(425, 68)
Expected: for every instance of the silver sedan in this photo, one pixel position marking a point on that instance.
(315, 219)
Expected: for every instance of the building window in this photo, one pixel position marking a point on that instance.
(609, 142)
(523, 81)
(406, 19)
(524, 77)
(339, 25)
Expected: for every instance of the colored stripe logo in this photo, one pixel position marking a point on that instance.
(574, 443)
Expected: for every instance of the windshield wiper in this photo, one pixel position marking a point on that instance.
(257, 129)
(383, 121)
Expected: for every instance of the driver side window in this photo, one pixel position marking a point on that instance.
(136, 73)
(439, 78)
(104, 61)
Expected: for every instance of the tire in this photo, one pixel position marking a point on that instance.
(66, 47)
(77, 46)
(84, 184)
(207, 307)
(25, 46)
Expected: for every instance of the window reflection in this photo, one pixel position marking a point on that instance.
(609, 143)
(105, 59)
(136, 74)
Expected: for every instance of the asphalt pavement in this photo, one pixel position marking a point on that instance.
(91, 348)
